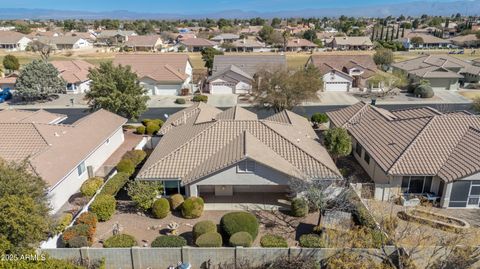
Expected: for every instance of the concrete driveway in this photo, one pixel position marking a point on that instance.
(222, 100)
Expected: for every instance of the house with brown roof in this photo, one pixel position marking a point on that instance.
(196, 44)
(466, 41)
(144, 43)
(75, 73)
(416, 151)
(351, 43)
(160, 74)
(63, 155)
(205, 151)
(344, 72)
(429, 41)
(443, 72)
(13, 41)
(300, 44)
(248, 44)
(65, 42)
(113, 37)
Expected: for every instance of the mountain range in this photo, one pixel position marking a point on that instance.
(415, 8)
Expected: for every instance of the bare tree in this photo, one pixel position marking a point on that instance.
(43, 49)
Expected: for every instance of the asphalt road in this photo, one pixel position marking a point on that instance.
(77, 113)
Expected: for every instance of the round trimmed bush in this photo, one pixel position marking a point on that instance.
(424, 91)
(126, 166)
(78, 242)
(180, 101)
(120, 241)
(192, 207)
(273, 241)
(140, 130)
(200, 98)
(113, 185)
(78, 230)
(235, 222)
(169, 241)
(203, 227)
(176, 201)
(152, 128)
(311, 241)
(104, 207)
(136, 156)
(161, 208)
(241, 239)
(88, 218)
(299, 207)
(209, 240)
(158, 122)
(319, 118)
(91, 186)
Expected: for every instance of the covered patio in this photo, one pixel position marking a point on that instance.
(246, 201)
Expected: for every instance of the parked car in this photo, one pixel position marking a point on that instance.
(5, 95)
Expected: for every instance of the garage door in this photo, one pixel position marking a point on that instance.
(336, 86)
(222, 89)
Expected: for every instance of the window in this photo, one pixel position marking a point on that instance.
(358, 149)
(416, 184)
(81, 169)
(367, 157)
(246, 166)
(171, 187)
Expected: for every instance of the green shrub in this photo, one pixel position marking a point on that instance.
(144, 193)
(176, 201)
(114, 184)
(158, 122)
(235, 222)
(104, 206)
(209, 240)
(363, 216)
(90, 186)
(76, 231)
(136, 156)
(88, 218)
(64, 221)
(311, 241)
(241, 239)
(140, 130)
(424, 91)
(319, 118)
(152, 129)
(120, 241)
(299, 207)
(78, 242)
(273, 241)
(169, 241)
(161, 208)
(203, 227)
(126, 166)
(200, 98)
(129, 127)
(192, 207)
(180, 101)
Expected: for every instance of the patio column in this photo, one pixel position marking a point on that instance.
(445, 200)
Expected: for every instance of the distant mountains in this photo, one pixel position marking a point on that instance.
(416, 8)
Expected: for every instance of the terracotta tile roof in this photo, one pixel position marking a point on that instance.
(432, 66)
(10, 37)
(73, 71)
(327, 63)
(159, 67)
(27, 116)
(143, 41)
(191, 148)
(417, 141)
(300, 42)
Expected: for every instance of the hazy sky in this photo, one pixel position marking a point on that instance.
(191, 6)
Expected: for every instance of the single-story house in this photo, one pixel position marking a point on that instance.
(13, 41)
(65, 42)
(235, 73)
(63, 155)
(429, 41)
(197, 44)
(415, 151)
(75, 73)
(9, 81)
(226, 37)
(144, 43)
(300, 44)
(113, 37)
(466, 41)
(184, 36)
(352, 43)
(444, 72)
(249, 44)
(207, 151)
(160, 74)
(344, 72)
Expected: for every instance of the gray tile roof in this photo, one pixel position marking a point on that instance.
(441, 66)
(250, 64)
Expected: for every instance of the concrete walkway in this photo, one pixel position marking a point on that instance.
(246, 201)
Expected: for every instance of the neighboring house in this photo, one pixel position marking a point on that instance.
(429, 41)
(184, 36)
(65, 42)
(344, 72)
(249, 44)
(90, 37)
(197, 44)
(235, 73)
(225, 38)
(63, 155)
(113, 37)
(444, 72)
(9, 81)
(416, 150)
(352, 43)
(75, 73)
(466, 41)
(207, 151)
(300, 44)
(144, 43)
(13, 41)
(160, 74)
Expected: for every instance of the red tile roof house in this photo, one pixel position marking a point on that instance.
(75, 73)
(416, 150)
(160, 74)
(63, 155)
(208, 152)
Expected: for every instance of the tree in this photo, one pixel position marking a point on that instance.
(383, 57)
(116, 89)
(416, 41)
(279, 89)
(11, 63)
(337, 142)
(43, 49)
(24, 29)
(39, 80)
(310, 35)
(143, 193)
(208, 54)
(266, 32)
(276, 22)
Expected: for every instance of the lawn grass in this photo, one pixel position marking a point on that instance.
(470, 94)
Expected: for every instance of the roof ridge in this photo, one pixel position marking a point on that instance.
(356, 113)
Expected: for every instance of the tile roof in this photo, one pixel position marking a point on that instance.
(198, 42)
(225, 36)
(353, 41)
(248, 42)
(112, 33)
(10, 37)
(327, 63)
(193, 147)
(231, 68)
(159, 67)
(299, 43)
(441, 66)
(428, 39)
(417, 141)
(27, 116)
(59, 40)
(143, 41)
(73, 71)
(250, 64)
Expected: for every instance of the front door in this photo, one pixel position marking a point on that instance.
(474, 196)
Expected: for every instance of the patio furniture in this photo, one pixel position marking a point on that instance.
(173, 226)
(407, 201)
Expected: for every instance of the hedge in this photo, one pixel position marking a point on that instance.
(88, 218)
(120, 241)
(235, 222)
(140, 130)
(136, 156)
(169, 241)
(273, 241)
(104, 206)
(311, 241)
(152, 129)
(158, 122)
(200, 98)
(126, 166)
(115, 184)
(180, 101)
(319, 118)
(299, 207)
(176, 201)
(241, 239)
(161, 208)
(192, 207)
(76, 231)
(203, 227)
(78, 242)
(63, 222)
(91, 186)
(209, 240)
